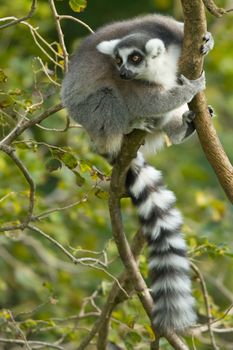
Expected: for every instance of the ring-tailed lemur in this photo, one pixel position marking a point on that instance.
(123, 77)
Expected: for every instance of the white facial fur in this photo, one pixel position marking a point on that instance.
(155, 47)
(159, 64)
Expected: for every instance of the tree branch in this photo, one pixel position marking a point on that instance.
(115, 297)
(129, 149)
(213, 9)
(23, 125)
(60, 34)
(18, 20)
(131, 278)
(33, 343)
(207, 304)
(76, 20)
(191, 65)
(136, 247)
(10, 152)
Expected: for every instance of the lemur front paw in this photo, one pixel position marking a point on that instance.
(194, 86)
(208, 44)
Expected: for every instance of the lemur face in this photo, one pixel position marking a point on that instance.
(130, 62)
(133, 62)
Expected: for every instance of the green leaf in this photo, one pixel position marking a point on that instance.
(102, 194)
(78, 5)
(69, 160)
(26, 145)
(15, 92)
(150, 331)
(85, 167)
(131, 339)
(29, 324)
(79, 179)
(53, 164)
(3, 77)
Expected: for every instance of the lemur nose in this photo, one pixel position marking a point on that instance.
(126, 73)
(123, 73)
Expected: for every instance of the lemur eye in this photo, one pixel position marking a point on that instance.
(135, 58)
(118, 60)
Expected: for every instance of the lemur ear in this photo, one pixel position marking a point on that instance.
(107, 47)
(155, 47)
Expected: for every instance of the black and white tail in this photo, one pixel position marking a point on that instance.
(168, 264)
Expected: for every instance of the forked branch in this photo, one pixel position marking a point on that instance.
(18, 20)
(129, 149)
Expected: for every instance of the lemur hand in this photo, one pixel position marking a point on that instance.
(194, 86)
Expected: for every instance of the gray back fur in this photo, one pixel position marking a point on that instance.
(93, 76)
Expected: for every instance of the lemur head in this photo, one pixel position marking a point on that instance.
(136, 55)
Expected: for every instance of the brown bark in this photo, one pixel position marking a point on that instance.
(117, 187)
(191, 65)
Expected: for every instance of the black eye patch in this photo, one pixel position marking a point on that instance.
(135, 58)
(118, 60)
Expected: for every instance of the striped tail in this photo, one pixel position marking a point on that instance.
(168, 264)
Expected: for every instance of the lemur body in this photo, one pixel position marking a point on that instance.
(125, 77)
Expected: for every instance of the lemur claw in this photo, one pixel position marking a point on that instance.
(208, 43)
(211, 111)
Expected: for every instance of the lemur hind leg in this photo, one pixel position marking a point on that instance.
(188, 118)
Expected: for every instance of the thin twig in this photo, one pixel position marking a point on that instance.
(214, 9)
(12, 228)
(106, 311)
(19, 330)
(33, 311)
(75, 317)
(64, 250)
(91, 262)
(50, 211)
(18, 20)
(24, 125)
(60, 34)
(35, 35)
(76, 20)
(115, 295)
(11, 153)
(46, 72)
(207, 304)
(32, 343)
(215, 323)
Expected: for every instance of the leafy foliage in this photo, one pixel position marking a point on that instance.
(78, 5)
(43, 294)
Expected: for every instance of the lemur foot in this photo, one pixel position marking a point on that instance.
(208, 43)
(145, 125)
(188, 118)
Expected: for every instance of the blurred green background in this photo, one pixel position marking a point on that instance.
(33, 271)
